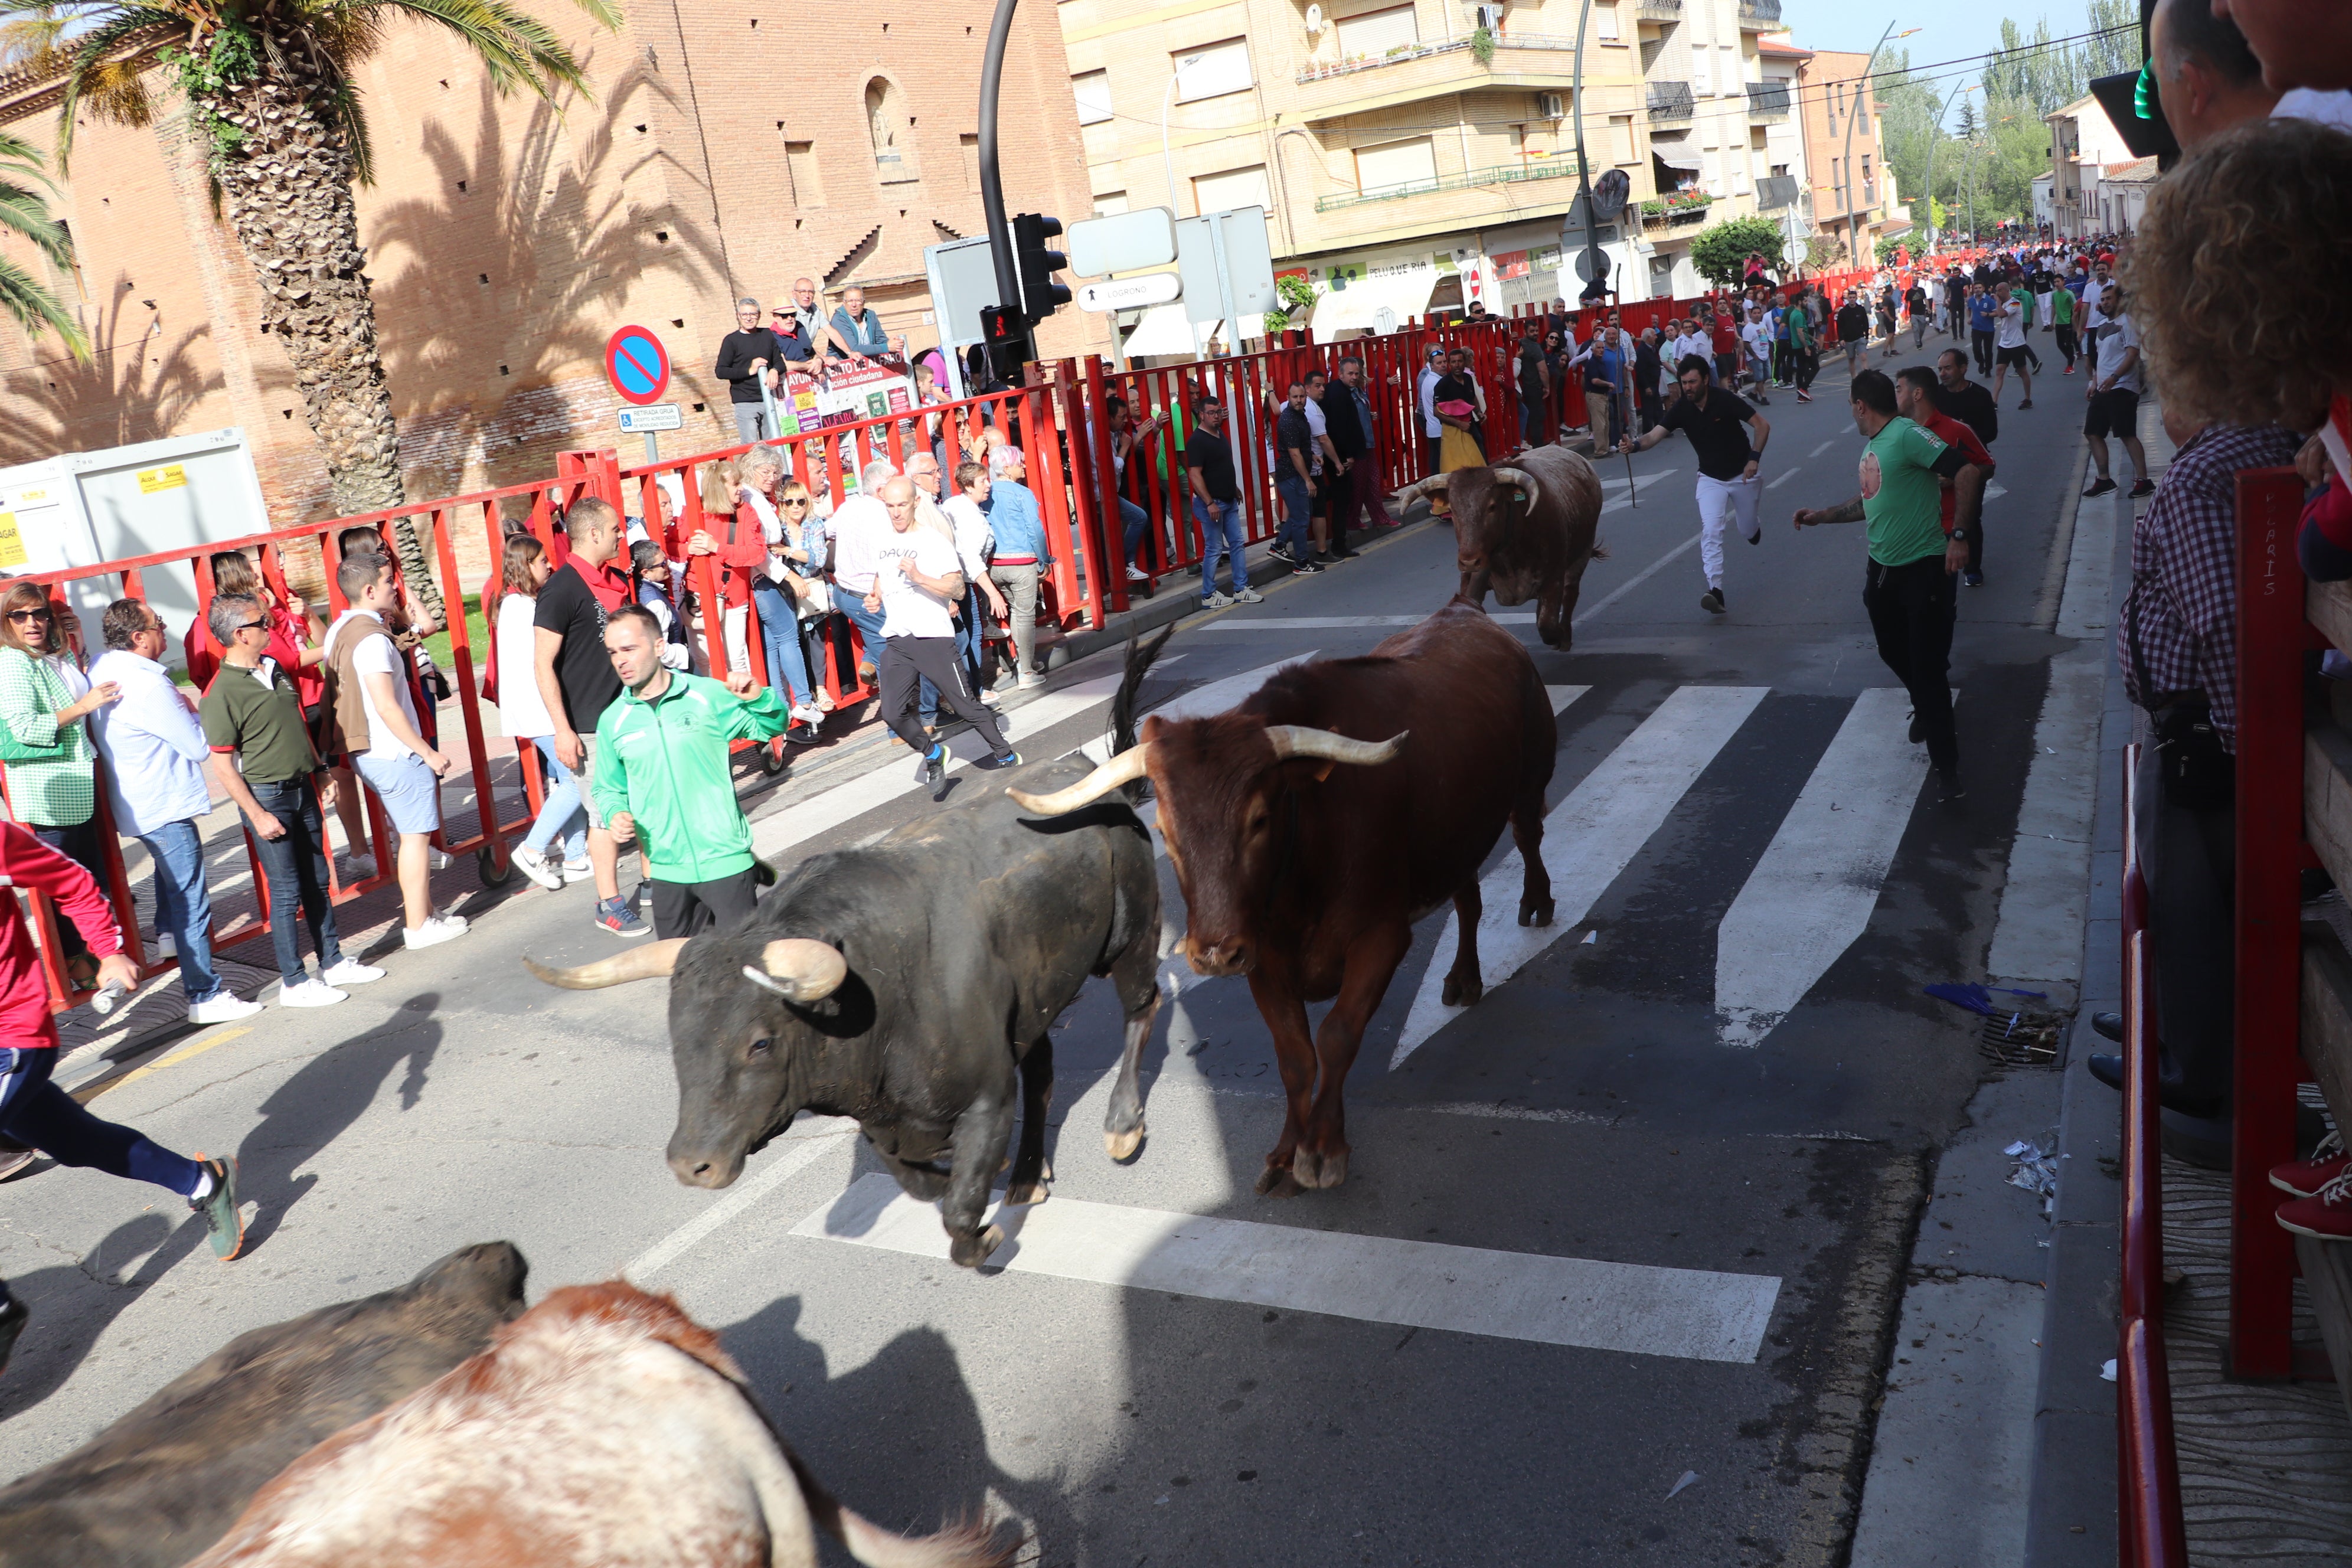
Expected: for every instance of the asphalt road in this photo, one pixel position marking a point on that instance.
(1639, 1214)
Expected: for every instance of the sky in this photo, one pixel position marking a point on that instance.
(1946, 32)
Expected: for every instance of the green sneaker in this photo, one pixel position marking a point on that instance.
(226, 1225)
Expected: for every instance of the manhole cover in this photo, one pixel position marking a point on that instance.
(2021, 1040)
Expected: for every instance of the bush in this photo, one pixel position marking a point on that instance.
(1722, 249)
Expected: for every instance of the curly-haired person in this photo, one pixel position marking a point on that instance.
(2238, 283)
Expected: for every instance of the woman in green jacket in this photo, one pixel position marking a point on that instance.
(46, 752)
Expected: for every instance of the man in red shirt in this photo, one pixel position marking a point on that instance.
(1725, 330)
(1914, 389)
(35, 1112)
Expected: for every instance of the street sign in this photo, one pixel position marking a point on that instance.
(1774, 191)
(1591, 266)
(1227, 265)
(637, 366)
(1123, 242)
(1131, 293)
(652, 416)
(1609, 192)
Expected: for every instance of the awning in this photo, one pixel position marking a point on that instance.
(1352, 309)
(1688, 162)
(1163, 330)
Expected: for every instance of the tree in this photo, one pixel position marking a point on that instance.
(1888, 245)
(269, 93)
(1296, 292)
(32, 303)
(1721, 249)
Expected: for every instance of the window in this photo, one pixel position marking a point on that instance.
(1700, 84)
(886, 126)
(800, 164)
(1394, 165)
(1604, 23)
(968, 146)
(1233, 188)
(1110, 202)
(1869, 185)
(1372, 33)
(1092, 90)
(1711, 172)
(1212, 71)
(1621, 139)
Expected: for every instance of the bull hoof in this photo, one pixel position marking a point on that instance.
(1460, 993)
(1124, 1146)
(1307, 1168)
(1276, 1182)
(972, 1251)
(1020, 1194)
(1536, 914)
(1330, 1169)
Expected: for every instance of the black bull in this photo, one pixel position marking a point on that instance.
(160, 1485)
(911, 983)
(1526, 529)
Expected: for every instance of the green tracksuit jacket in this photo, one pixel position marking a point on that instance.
(665, 763)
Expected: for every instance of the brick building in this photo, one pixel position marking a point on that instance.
(1844, 157)
(723, 153)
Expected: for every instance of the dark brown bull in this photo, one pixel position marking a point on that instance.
(1311, 827)
(1526, 529)
(164, 1483)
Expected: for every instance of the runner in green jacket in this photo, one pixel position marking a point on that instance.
(661, 772)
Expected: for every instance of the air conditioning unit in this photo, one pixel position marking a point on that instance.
(1551, 106)
(1488, 16)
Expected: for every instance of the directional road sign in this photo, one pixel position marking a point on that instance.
(637, 365)
(651, 418)
(1129, 293)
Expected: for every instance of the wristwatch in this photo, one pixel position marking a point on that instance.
(1958, 536)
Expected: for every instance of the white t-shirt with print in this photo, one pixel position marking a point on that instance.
(2115, 338)
(2009, 325)
(378, 656)
(908, 610)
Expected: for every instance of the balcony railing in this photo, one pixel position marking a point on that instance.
(1768, 100)
(1402, 54)
(1760, 15)
(1685, 207)
(1469, 179)
(1658, 10)
(1670, 102)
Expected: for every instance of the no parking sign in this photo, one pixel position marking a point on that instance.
(637, 366)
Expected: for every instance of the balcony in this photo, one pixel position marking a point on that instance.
(1670, 103)
(1683, 207)
(1760, 15)
(1469, 179)
(1535, 62)
(1405, 54)
(1768, 100)
(1658, 10)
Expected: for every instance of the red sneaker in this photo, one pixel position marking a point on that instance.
(2304, 1178)
(2327, 1213)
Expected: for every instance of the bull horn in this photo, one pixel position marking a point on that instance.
(1420, 488)
(1524, 481)
(800, 970)
(651, 961)
(1298, 741)
(1122, 769)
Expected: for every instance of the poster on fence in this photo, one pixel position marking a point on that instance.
(805, 404)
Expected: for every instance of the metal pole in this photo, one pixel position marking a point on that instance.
(1853, 219)
(992, 188)
(1576, 106)
(1168, 165)
(653, 448)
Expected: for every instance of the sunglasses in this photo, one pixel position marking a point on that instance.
(247, 627)
(29, 615)
(794, 501)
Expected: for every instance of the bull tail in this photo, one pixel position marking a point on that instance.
(965, 1545)
(1600, 551)
(1141, 656)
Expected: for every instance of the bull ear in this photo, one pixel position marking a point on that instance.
(798, 969)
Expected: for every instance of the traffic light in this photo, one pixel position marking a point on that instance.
(1040, 295)
(1006, 332)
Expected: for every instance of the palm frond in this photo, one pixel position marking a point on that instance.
(516, 47)
(24, 213)
(352, 117)
(20, 159)
(36, 308)
(111, 88)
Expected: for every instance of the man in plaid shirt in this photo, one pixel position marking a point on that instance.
(2177, 642)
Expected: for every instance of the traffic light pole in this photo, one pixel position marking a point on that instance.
(992, 187)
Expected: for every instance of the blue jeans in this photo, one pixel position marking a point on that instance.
(560, 815)
(1133, 520)
(780, 631)
(1221, 535)
(1297, 509)
(184, 906)
(1531, 421)
(37, 1113)
(294, 863)
(870, 625)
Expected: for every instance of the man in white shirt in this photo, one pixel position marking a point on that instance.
(2113, 395)
(367, 682)
(857, 526)
(1433, 370)
(917, 576)
(1756, 333)
(155, 755)
(2010, 349)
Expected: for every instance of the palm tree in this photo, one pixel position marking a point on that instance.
(22, 211)
(268, 93)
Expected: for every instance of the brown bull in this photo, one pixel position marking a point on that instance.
(1526, 529)
(1311, 827)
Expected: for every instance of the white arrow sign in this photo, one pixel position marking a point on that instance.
(1131, 293)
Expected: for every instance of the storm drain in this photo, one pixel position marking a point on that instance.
(2019, 1039)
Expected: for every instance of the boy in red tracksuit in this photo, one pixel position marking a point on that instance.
(1915, 388)
(34, 1111)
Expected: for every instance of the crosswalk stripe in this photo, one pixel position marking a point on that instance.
(1634, 1308)
(1211, 697)
(1342, 623)
(1589, 838)
(1812, 893)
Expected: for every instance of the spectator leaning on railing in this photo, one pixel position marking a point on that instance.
(155, 754)
(45, 747)
(1023, 554)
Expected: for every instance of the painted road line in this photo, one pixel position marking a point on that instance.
(1634, 1308)
(797, 1154)
(1812, 892)
(1589, 838)
(1211, 697)
(193, 1048)
(1345, 623)
(1785, 476)
(1618, 592)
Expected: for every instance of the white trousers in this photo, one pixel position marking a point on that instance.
(1720, 503)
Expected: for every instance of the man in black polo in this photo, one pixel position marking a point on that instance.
(1958, 397)
(1720, 423)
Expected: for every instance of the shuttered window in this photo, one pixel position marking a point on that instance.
(1092, 90)
(1212, 71)
(1375, 33)
(1233, 188)
(1396, 163)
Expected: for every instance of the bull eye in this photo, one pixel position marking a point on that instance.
(763, 1047)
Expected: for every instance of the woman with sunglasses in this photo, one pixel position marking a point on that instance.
(46, 752)
(762, 505)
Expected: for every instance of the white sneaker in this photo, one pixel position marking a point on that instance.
(533, 864)
(434, 860)
(310, 994)
(1026, 682)
(225, 1007)
(437, 929)
(580, 870)
(988, 699)
(1136, 574)
(1249, 596)
(358, 868)
(167, 945)
(807, 713)
(1218, 601)
(351, 972)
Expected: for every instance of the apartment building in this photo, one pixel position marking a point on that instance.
(1422, 155)
(2097, 186)
(1783, 141)
(1845, 160)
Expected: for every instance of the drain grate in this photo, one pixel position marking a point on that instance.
(2021, 1040)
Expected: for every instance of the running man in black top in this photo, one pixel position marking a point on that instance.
(1728, 436)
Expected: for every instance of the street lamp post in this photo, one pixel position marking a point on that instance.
(1168, 165)
(1853, 218)
(1932, 129)
(1584, 169)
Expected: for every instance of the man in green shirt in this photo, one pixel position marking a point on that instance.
(661, 772)
(2061, 321)
(1908, 586)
